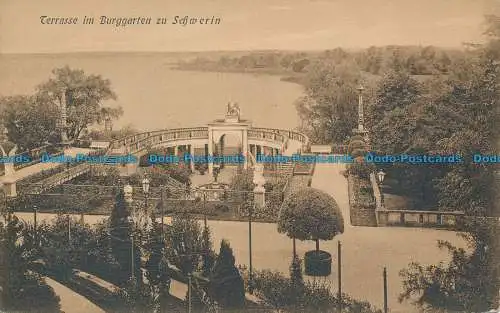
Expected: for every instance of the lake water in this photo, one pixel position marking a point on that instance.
(154, 96)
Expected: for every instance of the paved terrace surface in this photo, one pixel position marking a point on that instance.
(33, 169)
(365, 250)
(72, 302)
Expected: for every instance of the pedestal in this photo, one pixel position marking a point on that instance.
(317, 263)
(127, 169)
(9, 188)
(259, 196)
(191, 162)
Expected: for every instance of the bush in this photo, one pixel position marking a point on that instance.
(268, 213)
(221, 207)
(278, 291)
(361, 169)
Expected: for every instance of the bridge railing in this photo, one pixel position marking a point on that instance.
(138, 142)
(34, 155)
(292, 134)
(32, 183)
(58, 178)
(277, 134)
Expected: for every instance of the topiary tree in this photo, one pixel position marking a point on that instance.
(226, 284)
(311, 214)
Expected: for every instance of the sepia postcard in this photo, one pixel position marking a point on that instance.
(291, 156)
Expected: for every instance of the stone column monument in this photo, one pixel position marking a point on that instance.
(9, 181)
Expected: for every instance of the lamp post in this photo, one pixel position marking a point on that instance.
(339, 264)
(35, 209)
(162, 203)
(381, 175)
(145, 189)
(69, 229)
(190, 291)
(205, 222)
(250, 274)
(132, 257)
(385, 290)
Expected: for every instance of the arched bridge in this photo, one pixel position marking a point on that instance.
(209, 140)
(267, 141)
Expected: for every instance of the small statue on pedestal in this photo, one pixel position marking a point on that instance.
(233, 112)
(233, 109)
(9, 166)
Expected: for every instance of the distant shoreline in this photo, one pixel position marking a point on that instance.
(285, 77)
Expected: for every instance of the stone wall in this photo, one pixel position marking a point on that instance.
(362, 210)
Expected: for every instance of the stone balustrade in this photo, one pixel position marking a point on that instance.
(438, 219)
(414, 218)
(138, 142)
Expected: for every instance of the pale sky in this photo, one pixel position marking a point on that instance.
(246, 24)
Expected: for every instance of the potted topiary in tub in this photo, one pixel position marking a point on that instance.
(311, 214)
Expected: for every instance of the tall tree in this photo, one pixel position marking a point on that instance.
(157, 270)
(467, 284)
(122, 245)
(29, 120)
(398, 124)
(469, 108)
(185, 244)
(329, 109)
(226, 284)
(83, 96)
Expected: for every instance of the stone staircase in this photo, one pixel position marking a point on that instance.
(286, 169)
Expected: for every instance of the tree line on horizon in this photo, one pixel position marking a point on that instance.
(417, 60)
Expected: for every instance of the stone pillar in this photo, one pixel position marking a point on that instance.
(245, 148)
(191, 153)
(259, 190)
(129, 168)
(9, 187)
(63, 117)
(210, 151)
(176, 150)
(259, 197)
(360, 109)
